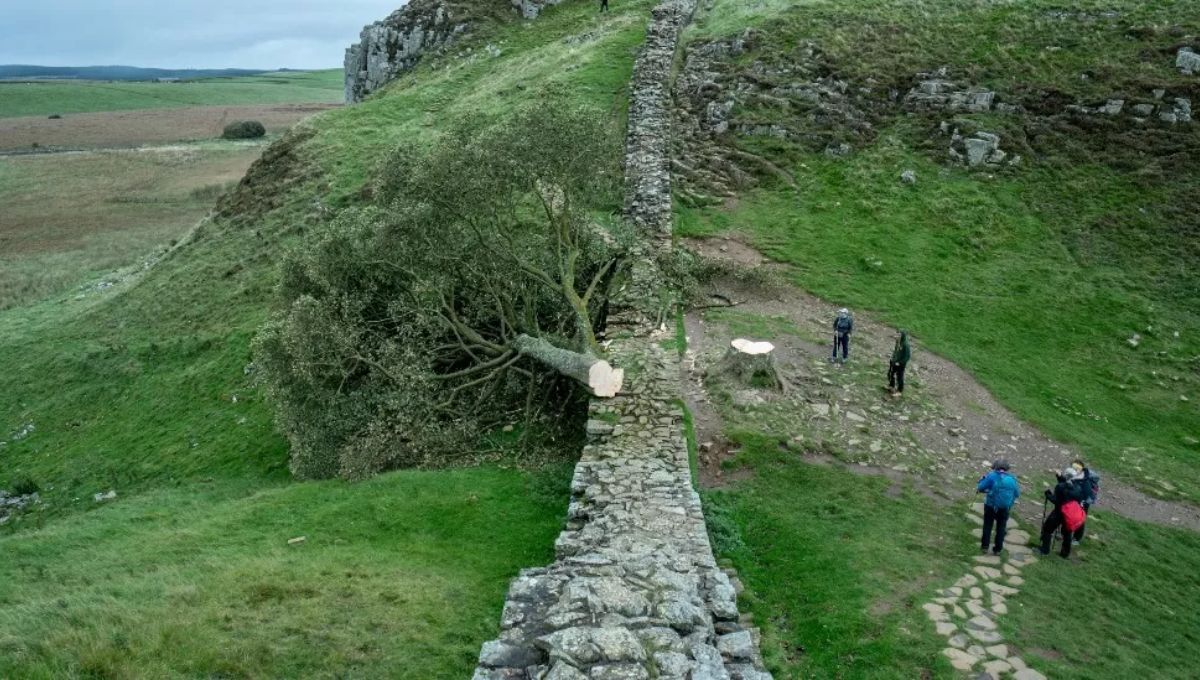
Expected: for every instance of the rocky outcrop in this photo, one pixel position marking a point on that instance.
(1187, 61)
(935, 91)
(979, 149)
(648, 140)
(530, 9)
(390, 47)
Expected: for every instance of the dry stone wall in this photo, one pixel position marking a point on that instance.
(634, 592)
(648, 140)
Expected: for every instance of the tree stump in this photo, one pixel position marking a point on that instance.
(751, 363)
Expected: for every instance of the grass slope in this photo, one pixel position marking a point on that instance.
(145, 388)
(399, 577)
(66, 97)
(134, 202)
(1033, 278)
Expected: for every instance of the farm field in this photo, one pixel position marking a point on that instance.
(72, 217)
(110, 129)
(58, 97)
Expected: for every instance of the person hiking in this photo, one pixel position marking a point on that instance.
(1065, 494)
(1090, 484)
(901, 353)
(603, 5)
(843, 326)
(1002, 491)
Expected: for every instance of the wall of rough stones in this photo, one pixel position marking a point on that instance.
(634, 592)
(648, 140)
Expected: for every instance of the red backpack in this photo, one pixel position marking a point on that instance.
(1073, 515)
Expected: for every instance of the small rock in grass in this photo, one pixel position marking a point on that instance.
(297, 540)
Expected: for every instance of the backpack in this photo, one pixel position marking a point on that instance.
(1092, 482)
(1073, 515)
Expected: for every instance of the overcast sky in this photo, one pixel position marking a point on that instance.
(263, 34)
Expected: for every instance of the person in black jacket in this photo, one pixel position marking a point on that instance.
(1068, 489)
(1090, 485)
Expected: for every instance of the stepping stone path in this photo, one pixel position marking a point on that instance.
(966, 613)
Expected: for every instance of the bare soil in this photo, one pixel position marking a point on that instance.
(119, 129)
(941, 435)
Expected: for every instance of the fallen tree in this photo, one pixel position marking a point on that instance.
(468, 297)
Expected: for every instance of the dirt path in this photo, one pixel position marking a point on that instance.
(943, 433)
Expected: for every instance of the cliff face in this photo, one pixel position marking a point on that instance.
(390, 47)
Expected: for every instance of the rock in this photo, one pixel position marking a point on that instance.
(1142, 110)
(672, 664)
(945, 628)
(1187, 61)
(394, 45)
(854, 417)
(297, 540)
(981, 623)
(987, 637)
(998, 651)
(1112, 107)
(908, 177)
(978, 151)
(988, 572)
(960, 659)
(997, 668)
(497, 654)
(104, 496)
(821, 410)
(739, 645)
(958, 641)
(565, 671)
(1027, 674)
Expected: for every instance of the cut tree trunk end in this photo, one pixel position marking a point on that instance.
(752, 363)
(601, 379)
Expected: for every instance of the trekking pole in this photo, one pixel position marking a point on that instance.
(1042, 528)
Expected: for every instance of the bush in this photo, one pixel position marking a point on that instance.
(25, 486)
(244, 129)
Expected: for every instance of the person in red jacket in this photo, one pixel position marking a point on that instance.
(1067, 490)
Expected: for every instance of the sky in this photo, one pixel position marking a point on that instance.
(266, 34)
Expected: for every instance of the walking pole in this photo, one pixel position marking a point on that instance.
(1042, 528)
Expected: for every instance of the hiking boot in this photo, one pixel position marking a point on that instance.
(1075, 542)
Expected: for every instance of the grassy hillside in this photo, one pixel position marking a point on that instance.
(65, 97)
(145, 388)
(1033, 277)
(135, 202)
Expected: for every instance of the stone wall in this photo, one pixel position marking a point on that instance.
(634, 592)
(648, 140)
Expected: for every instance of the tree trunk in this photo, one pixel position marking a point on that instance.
(752, 364)
(598, 375)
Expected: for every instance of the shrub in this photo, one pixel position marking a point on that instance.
(244, 129)
(55, 116)
(25, 486)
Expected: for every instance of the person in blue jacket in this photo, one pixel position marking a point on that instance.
(1002, 491)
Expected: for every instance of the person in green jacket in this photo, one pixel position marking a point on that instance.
(900, 356)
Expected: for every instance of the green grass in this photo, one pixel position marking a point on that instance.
(835, 568)
(147, 389)
(67, 97)
(1032, 278)
(402, 577)
(1130, 605)
(135, 203)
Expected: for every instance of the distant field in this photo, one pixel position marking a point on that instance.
(48, 98)
(70, 217)
(146, 126)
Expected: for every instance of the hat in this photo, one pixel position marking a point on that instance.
(1000, 464)
(843, 311)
